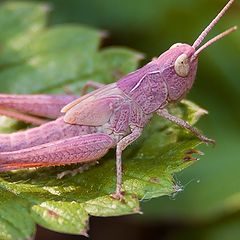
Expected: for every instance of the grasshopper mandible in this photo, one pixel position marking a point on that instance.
(111, 116)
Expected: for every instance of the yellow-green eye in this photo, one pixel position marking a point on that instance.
(182, 66)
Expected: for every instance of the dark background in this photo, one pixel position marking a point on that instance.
(209, 206)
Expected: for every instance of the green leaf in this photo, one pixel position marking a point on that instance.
(51, 64)
(215, 180)
(8, 125)
(15, 220)
(68, 56)
(64, 204)
(109, 65)
(20, 22)
(68, 217)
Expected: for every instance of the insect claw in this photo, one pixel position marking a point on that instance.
(118, 196)
(208, 141)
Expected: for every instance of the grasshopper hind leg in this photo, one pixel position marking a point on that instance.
(80, 149)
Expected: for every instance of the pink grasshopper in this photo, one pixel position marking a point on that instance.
(112, 116)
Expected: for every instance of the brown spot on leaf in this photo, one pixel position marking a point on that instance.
(190, 152)
(194, 151)
(154, 180)
(52, 214)
(189, 158)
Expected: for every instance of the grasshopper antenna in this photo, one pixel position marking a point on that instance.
(211, 25)
(215, 39)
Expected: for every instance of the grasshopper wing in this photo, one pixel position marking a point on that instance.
(94, 109)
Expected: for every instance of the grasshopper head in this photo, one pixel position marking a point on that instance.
(178, 65)
(178, 68)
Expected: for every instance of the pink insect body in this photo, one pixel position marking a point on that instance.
(46, 133)
(32, 106)
(111, 116)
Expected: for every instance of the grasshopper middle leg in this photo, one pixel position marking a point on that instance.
(91, 84)
(136, 132)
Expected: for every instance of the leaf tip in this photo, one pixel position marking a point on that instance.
(104, 34)
(47, 7)
(137, 211)
(202, 112)
(84, 232)
(139, 56)
(31, 238)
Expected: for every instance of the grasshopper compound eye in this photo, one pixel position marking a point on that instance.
(175, 45)
(182, 66)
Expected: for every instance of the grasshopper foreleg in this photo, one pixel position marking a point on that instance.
(165, 114)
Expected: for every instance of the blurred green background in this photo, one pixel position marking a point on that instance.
(209, 206)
